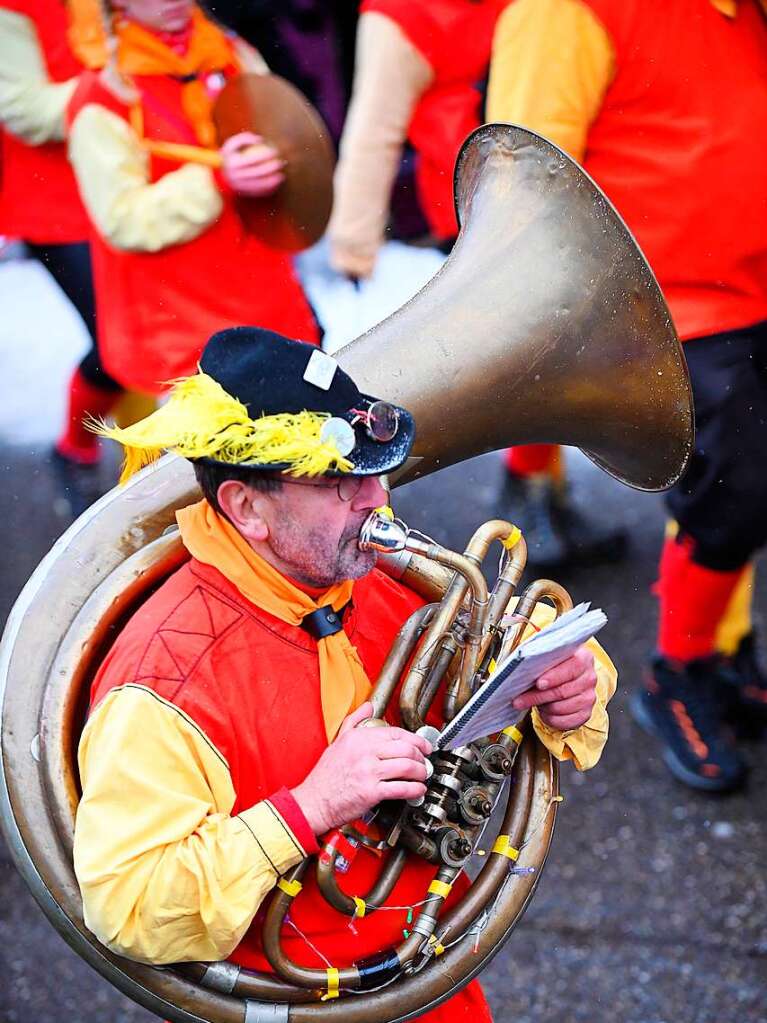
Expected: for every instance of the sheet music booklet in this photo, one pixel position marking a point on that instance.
(489, 710)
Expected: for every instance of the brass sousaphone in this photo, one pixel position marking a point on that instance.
(545, 324)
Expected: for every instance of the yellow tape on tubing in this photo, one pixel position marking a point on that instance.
(512, 539)
(514, 733)
(291, 888)
(332, 991)
(440, 888)
(503, 845)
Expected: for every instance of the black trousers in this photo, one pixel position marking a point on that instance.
(70, 267)
(721, 501)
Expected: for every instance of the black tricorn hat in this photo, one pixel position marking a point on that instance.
(267, 402)
(273, 375)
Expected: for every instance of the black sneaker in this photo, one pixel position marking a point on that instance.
(527, 502)
(78, 486)
(746, 692)
(682, 706)
(587, 541)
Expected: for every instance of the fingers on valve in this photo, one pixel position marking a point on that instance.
(400, 789)
(395, 734)
(401, 748)
(402, 767)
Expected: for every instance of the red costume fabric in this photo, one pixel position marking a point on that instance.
(39, 201)
(156, 309)
(531, 459)
(454, 36)
(683, 156)
(692, 600)
(251, 683)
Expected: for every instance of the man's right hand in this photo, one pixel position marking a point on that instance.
(359, 769)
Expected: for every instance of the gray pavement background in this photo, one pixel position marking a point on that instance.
(652, 907)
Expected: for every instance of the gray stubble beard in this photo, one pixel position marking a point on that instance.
(306, 557)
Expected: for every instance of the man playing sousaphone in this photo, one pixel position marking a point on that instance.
(221, 740)
(172, 261)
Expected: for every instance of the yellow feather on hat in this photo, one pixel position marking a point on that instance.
(201, 420)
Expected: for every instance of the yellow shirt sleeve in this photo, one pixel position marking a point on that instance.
(166, 874)
(31, 106)
(112, 171)
(552, 64)
(582, 745)
(390, 75)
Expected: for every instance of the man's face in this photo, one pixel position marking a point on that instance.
(314, 533)
(160, 15)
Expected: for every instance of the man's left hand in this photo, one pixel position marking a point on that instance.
(565, 695)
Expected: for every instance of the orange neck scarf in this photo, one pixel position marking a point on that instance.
(142, 52)
(209, 538)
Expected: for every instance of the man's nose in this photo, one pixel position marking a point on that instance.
(372, 494)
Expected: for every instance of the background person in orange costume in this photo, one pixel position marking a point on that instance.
(38, 195)
(220, 743)
(172, 261)
(419, 70)
(419, 75)
(667, 110)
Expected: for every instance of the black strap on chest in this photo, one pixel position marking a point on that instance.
(324, 622)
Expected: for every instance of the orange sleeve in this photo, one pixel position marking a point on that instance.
(552, 64)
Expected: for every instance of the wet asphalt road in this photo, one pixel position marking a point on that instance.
(652, 907)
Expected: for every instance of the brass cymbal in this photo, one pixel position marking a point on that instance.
(296, 215)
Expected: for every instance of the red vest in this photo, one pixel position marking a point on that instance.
(680, 147)
(39, 201)
(156, 310)
(454, 36)
(252, 684)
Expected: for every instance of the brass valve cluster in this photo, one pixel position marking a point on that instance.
(460, 796)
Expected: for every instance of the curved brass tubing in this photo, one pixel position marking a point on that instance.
(422, 991)
(377, 895)
(439, 627)
(468, 575)
(349, 977)
(398, 657)
(230, 979)
(507, 581)
(459, 688)
(532, 595)
(284, 967)
(415, 698)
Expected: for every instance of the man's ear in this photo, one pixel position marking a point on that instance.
(243, 506)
